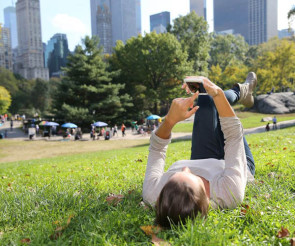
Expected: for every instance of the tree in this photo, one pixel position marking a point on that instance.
(40, 96)
(228, 50)
(192, 32)
(5, 100)
(231, 75)
(275, 68)
(152, 67)
(86, 93)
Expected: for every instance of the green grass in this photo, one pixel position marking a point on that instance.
(37, 197)
(248, 119)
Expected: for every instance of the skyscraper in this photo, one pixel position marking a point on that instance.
(263, 20)
(10, 22)
(5, 49)
(203, 8)
(113, 20)
(256, 20)
(199, 6)
(159, 22)
(56, 54)
(30, 61)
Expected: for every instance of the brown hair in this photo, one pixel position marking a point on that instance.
(178, 201)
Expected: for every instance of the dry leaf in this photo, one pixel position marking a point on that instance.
(9, 184)
(139, 160)
(25, 240)
(244, 209)
(113, 199)
(27, 175)
(284, 232)
(131, 191)
(59, 230)
(150, 230)
(292, 241)
(284, 148)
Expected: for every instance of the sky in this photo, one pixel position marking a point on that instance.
(72, 17)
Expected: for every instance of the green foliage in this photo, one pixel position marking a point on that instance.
(231, 75)
(192, 32)
(37, 197)
(152, 67)
(276, 65)
(40, 95)
(5, 100)
(228, 50)
(87, 93)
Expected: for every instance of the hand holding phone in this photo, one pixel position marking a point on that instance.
(195, 84)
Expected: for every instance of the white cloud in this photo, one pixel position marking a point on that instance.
(72, 26)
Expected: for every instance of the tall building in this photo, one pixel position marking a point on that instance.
(256, 20)
(56, 54)
(263, 20)
(113, 20)
(10, 22)
(30, 60)
(199, 6)
(159, 22)
(203, 8)
(5, 49)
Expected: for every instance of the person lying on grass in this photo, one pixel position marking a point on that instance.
(221, 161)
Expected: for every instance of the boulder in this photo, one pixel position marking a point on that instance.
(275, 103)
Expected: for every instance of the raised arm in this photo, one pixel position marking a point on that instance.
(158, 146)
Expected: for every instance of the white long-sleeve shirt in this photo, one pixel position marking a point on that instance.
(227, 177)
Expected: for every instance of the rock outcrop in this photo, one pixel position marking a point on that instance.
(275, 103)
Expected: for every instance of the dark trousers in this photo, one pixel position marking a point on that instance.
(207, 138)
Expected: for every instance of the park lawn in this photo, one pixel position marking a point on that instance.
(62, 200)
(248, 119)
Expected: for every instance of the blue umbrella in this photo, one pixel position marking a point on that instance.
(69, 125)
(99, 124)
(51, 124)
(153, 117)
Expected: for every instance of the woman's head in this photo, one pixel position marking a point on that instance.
(182, 197)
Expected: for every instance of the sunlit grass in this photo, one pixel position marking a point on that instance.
(248, 119)
(37, 197)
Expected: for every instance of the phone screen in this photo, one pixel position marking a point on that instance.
(196, 86)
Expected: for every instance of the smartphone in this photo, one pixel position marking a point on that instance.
(195, 85)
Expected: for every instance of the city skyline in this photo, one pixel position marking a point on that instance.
(75, 22)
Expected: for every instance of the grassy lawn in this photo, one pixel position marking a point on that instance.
(248, 119)
(62, 200)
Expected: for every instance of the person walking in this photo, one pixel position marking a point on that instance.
(115, 130)
(274, 123)
(11, 124)
(123, 128)
(221, 161)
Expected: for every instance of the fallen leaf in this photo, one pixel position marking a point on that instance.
(114, 199)
(53, 166)
(150, 229)
(59, 230)
(284, 148)
(27, 175)
(9, 184)
(139, 160)
(131, 191)
(25, 240)
(284, 232)
(292, 241)
(261, 182)
(4, 177)
(271, 175)
(244, 209)
(158, 241)
(55, 222)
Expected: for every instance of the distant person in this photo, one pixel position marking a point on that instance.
(11, 124)
(115, 130)
(37, 129)
(267, 128)
(123, 128)
(274, 123)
